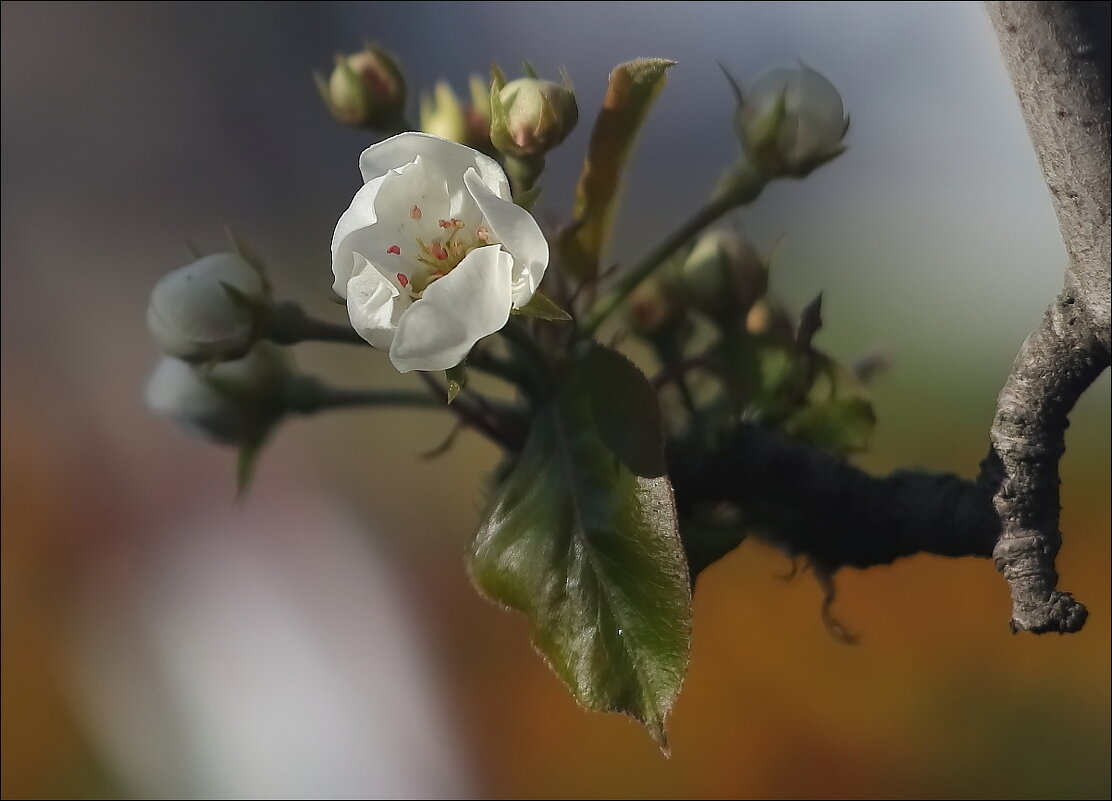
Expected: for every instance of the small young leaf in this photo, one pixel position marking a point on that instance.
(633, 88)
(541, 307)
(590, 553)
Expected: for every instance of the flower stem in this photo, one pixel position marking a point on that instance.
(523, 173)
(482, 420)
(738, 186)
(484, 361)
(306, 395)
(289, 324)
(529, 352)
(605, 306)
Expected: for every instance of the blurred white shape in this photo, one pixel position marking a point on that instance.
(263, 652)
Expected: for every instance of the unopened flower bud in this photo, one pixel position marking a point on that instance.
(723, 276)
(768, 319)
(233, 402)
(365, 90)
(442, 114)
(790, 121)
(656, 310)
(529, 116)
(209, 310)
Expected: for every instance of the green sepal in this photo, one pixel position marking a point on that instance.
(541, 307)
(457, 380)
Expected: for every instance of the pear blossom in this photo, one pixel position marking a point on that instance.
(432, 254)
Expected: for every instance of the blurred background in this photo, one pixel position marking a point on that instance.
(320, 639)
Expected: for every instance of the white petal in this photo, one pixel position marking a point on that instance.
(421, 184)
(373, 304)
(451, 157)
(359, 215)
(455, 312)
(518, 232)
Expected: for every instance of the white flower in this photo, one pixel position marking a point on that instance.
(792, 118)
(432, 254)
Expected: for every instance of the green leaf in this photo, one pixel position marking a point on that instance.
(626, 410)
(633, 88)
(589, 551)
(840, 425)
(541, 307)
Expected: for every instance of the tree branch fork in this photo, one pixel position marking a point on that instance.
(816, 505)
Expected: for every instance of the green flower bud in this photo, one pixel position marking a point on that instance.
(234, 402)
(210, 310)
(365, 90)
(657, 311)
(723, 276)
(442, 114)
(790, 121)
(529, 116)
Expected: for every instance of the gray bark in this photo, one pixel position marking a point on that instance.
(1058, 57)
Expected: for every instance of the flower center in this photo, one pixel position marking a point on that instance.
(433, 259)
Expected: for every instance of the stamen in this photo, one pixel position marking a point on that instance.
(397, 251)
(482, 233)
(444, 223)
(403, 280)
(438, 251)
(415, 213)
(457, 224)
